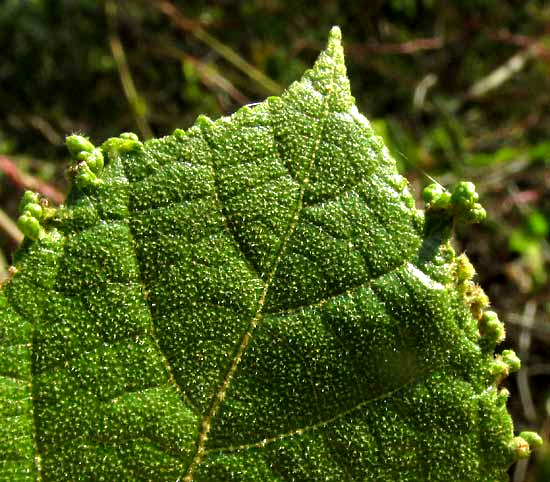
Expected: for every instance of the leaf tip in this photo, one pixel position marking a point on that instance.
(335, 35)
(334, 49)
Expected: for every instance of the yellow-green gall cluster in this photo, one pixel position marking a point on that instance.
(464, 271)
(473, 294)
(436, 197)
(89, 161)
(505, 363)
(462, 203)
(124, 143)
(491, 329)
(525, 443)
(477, 300)
(32, 213)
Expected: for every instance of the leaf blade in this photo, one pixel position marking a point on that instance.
(255, 299)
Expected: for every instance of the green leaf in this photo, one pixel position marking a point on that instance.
(254, 299)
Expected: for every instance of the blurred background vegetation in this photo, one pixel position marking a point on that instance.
(458, 89)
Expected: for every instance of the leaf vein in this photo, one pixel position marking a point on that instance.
(316, 426)
(247, 336)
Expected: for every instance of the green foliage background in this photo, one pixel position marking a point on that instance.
(422, 71)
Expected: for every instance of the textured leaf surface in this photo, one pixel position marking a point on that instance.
(254, 299)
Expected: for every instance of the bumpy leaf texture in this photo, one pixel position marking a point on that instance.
(254, 299)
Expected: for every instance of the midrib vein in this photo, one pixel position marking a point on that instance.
(245, 340)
